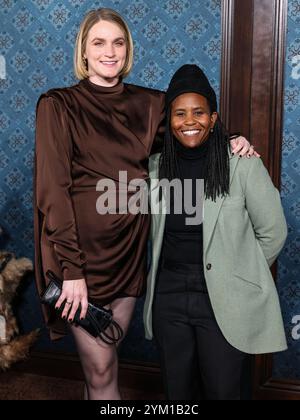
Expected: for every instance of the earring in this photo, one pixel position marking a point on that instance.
(211, 130)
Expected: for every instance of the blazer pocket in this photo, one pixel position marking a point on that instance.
(241, 277)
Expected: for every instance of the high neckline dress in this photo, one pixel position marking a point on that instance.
(84, 134)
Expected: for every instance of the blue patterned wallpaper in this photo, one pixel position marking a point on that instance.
(36, 48)
(288, 364)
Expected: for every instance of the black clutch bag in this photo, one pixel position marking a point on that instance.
(97, 320)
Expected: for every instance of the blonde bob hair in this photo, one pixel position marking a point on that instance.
(93, 17)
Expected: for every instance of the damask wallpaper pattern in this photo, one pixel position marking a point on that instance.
(36, 49)
(288, 364)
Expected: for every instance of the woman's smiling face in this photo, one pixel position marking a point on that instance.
(106, 51)
(191, 119)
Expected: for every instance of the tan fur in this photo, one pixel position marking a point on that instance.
(14, 348)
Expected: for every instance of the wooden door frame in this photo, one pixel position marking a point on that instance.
(252, 100)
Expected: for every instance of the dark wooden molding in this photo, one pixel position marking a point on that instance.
(237, 29)
(252, 77)
(253, 62)
(269, 44)
(227, 37)
(279, 58)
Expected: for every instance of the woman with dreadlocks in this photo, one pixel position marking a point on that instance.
(211, 298)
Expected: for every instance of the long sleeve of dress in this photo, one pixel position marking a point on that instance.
(53, 184)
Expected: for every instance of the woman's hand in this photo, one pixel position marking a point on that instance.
(241, 146)
(74, 293)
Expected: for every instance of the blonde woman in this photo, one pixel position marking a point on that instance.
(87, 133)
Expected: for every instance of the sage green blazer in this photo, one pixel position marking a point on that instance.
(243, 235)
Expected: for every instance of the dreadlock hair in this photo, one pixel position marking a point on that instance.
(217, 163)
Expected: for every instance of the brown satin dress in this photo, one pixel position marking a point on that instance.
(86, 133)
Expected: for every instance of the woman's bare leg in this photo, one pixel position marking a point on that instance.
(99, 360)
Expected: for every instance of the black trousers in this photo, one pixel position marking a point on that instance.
(197, 362)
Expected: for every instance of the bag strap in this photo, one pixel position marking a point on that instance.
(102, 334)
(115, 326)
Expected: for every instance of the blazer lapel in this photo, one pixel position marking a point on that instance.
(212, 209)
(158, 208)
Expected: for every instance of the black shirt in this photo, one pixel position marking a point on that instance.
(184, 243)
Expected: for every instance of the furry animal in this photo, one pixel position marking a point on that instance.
(13, 348)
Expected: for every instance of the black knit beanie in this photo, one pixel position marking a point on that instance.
(190, 78)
